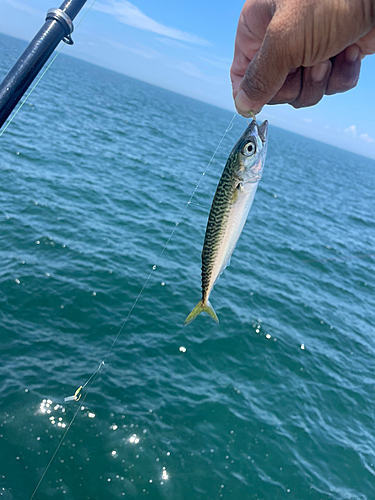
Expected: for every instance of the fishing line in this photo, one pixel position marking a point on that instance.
(64, 435)
(90, 381)
(42, 75)
(229, 127)
(92, 378)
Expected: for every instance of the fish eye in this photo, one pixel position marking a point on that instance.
(249, 149)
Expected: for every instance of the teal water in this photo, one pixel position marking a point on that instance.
(275, 402)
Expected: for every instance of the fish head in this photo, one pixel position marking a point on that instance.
(250, 152)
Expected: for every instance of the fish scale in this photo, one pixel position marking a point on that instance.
(215, 226)
(231, 204)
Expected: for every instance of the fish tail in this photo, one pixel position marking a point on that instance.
(199, 308)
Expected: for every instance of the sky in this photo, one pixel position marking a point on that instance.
(187, 47)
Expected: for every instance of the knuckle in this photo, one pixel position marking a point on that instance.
(337, 86)
(349, 83)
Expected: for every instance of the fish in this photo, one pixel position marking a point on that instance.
(229, 210)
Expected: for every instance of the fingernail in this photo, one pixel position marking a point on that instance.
(352, 53)
(243, 104)
(319, 72)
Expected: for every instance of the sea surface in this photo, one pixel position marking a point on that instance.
(277, 401)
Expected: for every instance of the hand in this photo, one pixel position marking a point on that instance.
(295, 51)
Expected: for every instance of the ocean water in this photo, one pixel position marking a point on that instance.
(275, 402)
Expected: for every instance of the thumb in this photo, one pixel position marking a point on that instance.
(265, 74)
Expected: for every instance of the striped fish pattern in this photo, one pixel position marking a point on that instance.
(230, 207)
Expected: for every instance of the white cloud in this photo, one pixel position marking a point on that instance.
(25, 8)
(351, 131)
(190, 69)
(128, 13)
(173, 43)
(218, 62)
(307, 120)
(366, 138)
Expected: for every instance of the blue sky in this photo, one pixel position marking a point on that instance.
(187, 47)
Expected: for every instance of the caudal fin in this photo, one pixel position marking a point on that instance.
(199, 308)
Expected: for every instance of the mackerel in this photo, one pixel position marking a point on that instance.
(230, 207)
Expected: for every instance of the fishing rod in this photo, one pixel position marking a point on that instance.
(58, 27)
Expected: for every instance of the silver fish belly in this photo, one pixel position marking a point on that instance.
(230, 207)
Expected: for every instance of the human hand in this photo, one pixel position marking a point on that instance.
(295, 51)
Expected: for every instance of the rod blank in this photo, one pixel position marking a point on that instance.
(58, 26)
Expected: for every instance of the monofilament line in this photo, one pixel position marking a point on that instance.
(170, 237)
(64, 435)
(92, 378)
(165, 245)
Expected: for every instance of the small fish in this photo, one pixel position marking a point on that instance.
(230, 207)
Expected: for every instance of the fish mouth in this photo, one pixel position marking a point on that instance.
(263, 130)
(259, 130)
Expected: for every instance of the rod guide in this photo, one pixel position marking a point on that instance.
(63, 18)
